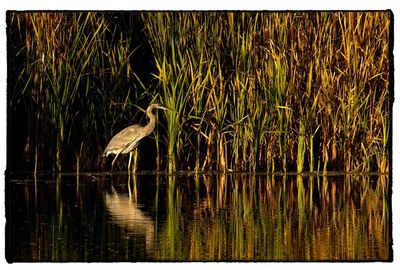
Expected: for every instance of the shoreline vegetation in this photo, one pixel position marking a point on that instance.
(250, 91)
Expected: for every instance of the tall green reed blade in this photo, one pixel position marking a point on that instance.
(172, 75)
(62, 61)
(301, 147)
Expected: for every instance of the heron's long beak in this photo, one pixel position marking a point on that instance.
(165, 108)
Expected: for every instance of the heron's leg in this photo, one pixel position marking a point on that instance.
(135, 160)
(129, 186)
(112, 163)
(134, 188)
(129, 163)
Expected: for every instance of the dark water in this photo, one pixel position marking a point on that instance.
(234, 217)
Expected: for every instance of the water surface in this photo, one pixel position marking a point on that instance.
(208, 217)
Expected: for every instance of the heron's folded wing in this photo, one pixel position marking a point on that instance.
(125, 139)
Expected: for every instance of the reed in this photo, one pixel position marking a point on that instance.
(173, 69)
(249, 91)
(74, 65)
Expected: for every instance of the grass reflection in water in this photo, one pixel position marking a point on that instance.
(210, 217)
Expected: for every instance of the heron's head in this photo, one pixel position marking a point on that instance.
(157, 106)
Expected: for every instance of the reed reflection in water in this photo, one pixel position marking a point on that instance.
(209, 217)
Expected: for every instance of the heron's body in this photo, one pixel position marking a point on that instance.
(126, 140)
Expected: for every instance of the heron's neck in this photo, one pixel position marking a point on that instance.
(150, 126)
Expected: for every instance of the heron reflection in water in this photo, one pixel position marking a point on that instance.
(128, 215)
(127, 139)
